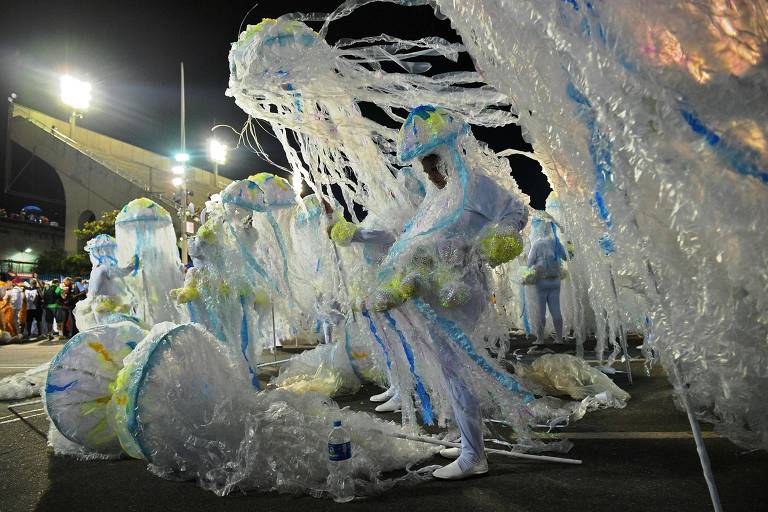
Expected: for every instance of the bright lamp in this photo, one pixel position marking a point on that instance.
(75, 93)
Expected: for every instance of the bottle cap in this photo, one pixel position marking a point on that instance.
(336, 423)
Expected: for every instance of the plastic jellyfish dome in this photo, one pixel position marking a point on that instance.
(144, 230)
(283, 72)
(260, 45)
(244, 194)
(278, 193)
(77, 389)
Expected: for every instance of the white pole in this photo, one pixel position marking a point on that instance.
(540, 458)
(274, 363)
(706, 466)
(184, 257)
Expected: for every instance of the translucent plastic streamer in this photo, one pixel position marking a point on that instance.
(649, 119)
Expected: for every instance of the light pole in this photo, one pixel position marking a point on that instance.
(217, 154)
(179, 181)
(182, 158)
(76, 94)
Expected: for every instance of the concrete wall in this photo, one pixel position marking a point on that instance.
(17, 236)
(88, 185)
(99, 173)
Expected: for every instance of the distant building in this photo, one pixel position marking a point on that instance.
(22, 242)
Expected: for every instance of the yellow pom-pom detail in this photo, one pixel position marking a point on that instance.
(501, 248)
(343, 231)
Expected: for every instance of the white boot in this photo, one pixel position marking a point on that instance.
(450, 453)
(392, 405)
(454, 472)
(383, 397)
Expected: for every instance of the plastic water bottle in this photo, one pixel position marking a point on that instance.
(340, 482)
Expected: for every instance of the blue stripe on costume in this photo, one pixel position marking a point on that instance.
(455, 334)
(426, 405)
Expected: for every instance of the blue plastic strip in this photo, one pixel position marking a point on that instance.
(743, 162)
(213, 318)
(245, 341)
(251, 261)
(455, 334)
(600, 148)
(524, 314)
(281, 244)
(426, 404)
(376, 336)
(52, 388)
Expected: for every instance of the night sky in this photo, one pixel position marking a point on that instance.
(130, 52)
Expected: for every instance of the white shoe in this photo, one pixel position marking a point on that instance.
(383, 397)
(392, 405)
(450, 453)
(454, 472)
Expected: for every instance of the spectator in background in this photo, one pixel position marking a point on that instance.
(34, 295)
(17, 300)
(81, 284)
(65, 294)
(50, 302)
(7, 327)
(80, 291)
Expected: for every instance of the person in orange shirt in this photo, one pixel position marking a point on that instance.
(7, 323)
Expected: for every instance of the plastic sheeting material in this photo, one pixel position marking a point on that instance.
(77, 388)
(187, 409)
(24, 385)
(563, 374)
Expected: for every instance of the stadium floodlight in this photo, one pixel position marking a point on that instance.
(217, 152)
(181, 157)
(178, 169)
(75, 93)
(177, 182)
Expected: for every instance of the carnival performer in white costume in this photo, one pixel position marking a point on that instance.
(465, 222)
(106, 291)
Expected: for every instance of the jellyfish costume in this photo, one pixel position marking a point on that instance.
(437, 266)
(106, 292)
(271, 217)
(314, 267)
(209, 293)
(144, 232)
(250, 269)
(285, 73)
(376, 236)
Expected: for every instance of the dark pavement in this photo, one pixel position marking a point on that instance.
(637, 459)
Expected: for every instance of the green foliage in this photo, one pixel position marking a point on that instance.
(103, 225)
(56, 262)
(78, 264)
(50, 262)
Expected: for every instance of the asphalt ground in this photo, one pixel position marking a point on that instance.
(641, 458)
